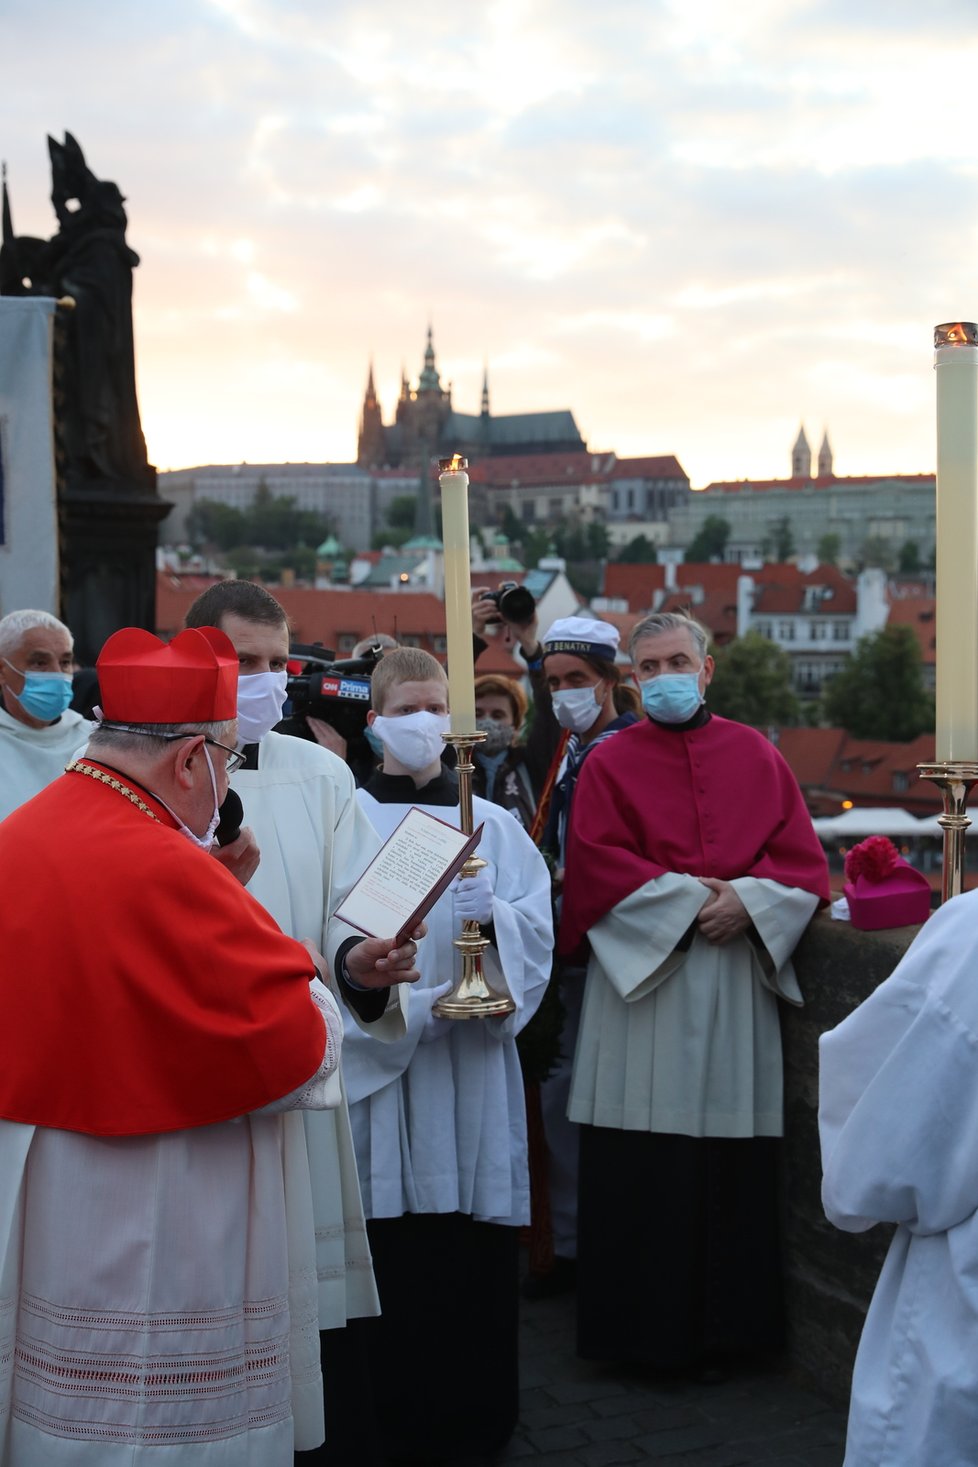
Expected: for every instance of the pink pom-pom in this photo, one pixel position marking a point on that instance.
(874, 858)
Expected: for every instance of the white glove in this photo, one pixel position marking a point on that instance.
(473, 897)
(435, 1027)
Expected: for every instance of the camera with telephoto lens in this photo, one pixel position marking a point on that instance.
(514, 603)
(338, 692)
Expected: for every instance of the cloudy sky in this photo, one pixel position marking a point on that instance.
(696, 223)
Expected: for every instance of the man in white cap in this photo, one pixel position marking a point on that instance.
(38, 731)
(581, 680)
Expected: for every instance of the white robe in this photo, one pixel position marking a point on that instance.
(439, 1124)
(315, 841)
(30, 758)
(898, 1114)
(687, 1043)
(157, 1301)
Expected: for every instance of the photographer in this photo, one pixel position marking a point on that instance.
(515, 624)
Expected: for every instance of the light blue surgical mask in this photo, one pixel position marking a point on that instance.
(45, 695)
(672, 697)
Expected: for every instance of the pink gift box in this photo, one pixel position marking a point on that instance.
(899, 900)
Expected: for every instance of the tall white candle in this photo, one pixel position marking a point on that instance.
(454, 483)
(956, 364)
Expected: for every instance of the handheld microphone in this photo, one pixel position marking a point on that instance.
(232, 816)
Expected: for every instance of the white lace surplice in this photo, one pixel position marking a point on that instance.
(157, 1300)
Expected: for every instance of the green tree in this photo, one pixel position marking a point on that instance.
(908, 559)
(534, 545)
(512, 526)
(596, 540)
(877, 551)
(211, 522)
(880, 694)
(828, 549)
(401, 511)
(639, 551)
(782, 539)
(710, 541)
(752, 683)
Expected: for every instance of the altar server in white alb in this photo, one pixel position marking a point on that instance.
(314, 840)
(438, 1117)
(39, 733)
(157, 1268)
(898, 1114)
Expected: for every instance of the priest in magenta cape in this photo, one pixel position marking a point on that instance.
(692, 870)
(157, 1258)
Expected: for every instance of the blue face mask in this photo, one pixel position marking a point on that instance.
(374, 740)
(45, 695)
(673, 697)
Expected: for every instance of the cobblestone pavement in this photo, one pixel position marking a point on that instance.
(583, 1414)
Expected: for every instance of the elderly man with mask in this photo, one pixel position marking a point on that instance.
(692, 871)
(38, 731)
(157, 1261)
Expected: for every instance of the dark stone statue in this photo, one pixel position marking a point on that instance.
(108, 507)
(88, 259)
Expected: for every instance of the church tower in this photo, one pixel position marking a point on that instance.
(825, 457)
(801, 457)
(371, 451)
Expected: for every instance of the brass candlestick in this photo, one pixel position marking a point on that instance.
(471, 998)
(955, 780)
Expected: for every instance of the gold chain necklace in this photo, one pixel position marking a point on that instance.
(115, 784)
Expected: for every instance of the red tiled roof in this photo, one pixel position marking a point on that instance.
(636, 583)
(734, 486)
(782, 589)
(325, 616)
(541, 469)
(918, 613)
(717, 612)
(666, 466)
(832, 767)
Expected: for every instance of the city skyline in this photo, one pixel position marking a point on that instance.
(695, 227)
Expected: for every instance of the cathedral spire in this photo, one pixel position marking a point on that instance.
(485, 390)
(801, 457)
(825, 470)
(429, 380)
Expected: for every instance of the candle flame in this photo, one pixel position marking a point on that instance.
(453, 464)
(956, 333)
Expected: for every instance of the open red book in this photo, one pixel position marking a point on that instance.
(407, 876)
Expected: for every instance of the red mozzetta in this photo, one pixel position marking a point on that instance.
(718, 800)
(143, 989)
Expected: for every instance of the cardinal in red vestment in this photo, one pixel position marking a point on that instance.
(155, 1026)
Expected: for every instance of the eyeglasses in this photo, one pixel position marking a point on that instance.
(234, 759)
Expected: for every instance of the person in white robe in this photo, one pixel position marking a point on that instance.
(898, 1117)
(438, 1116)
(39, 733)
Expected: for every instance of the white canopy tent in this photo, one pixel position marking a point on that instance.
(888, 820)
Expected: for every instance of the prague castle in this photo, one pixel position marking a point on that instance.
(426, 426)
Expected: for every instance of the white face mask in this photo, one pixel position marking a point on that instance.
(576, 708)
(261, 698)
(414, 740)
(206, 840)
